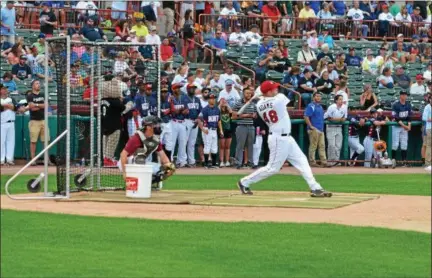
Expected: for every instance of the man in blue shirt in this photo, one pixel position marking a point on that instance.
(193, 105)
(145, 102)
(352, 59)
(8, 19)
(91, 32)
(314, 118)
(325, 37)
(265, 46)
(210, 117)
(401, 112)
(219, 46)
(179, 110)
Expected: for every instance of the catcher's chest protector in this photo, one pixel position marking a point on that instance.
(150, 144)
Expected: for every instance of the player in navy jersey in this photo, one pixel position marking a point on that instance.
(401, 112)
(179, 111)
(193, 105)
(356, 148)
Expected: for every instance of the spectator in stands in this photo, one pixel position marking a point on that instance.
(5, 45)
(207, 34)
(39, 69)
(8, 82)
(352, 59)
(153, 37)
(312, 39)
(370, 65)
(399, 39)
(13, 55)
(230, 94)
(325, 51)
(228, 12)
(7, 123)
(368, 10)
(386, 80)
(47, 20)
(87, 91)
(356, 14)
(306, 87)
(140, 28)
(286, 10)
(151, 10)
(252, 36)
(314, 118)
(306, 56)
(291, 80)
(230, 75)
(122, 29)
(265, 61)
(427, 73)
(282, 47)
(91, 31)
(403, 18)
(187, 34)
(219, 46)
(265, 46)
(325, 38)
(418, 88)
(368, 99)
(416, 17)
(414, 49)
(385, 20)
(166, 51)
(426, 57)
(271, 18)
(21, 71)
(87, 56)
(340, 65)
(280, 63)
(333, 74)
(216, 81)
(401, 78)
(40, 44)
(394, 8)
(253, 10)
(307, 17)
(237, 38)
(181, 75)
(339, 8)
(76, 79)
(120, 64)
(245, 131)
(325, 16)
(220, 28)
(400, 55)
(8, 20)
(325, 85)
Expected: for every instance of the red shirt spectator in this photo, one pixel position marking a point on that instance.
(271, 10)
(167, 51)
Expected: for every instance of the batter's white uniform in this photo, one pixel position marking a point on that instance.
(282, 146)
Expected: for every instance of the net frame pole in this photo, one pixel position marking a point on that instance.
(158, 80)
(99, 118)
(92, 120)
(68, 114)
(46, 132)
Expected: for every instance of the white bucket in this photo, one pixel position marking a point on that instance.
(138, 180)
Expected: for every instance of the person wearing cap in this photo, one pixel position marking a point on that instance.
(47, 20)
(401, 114)
(377, 121)
(427, 139)
(271, 18)
(272, 108)
(416, 17)
(7, 123)
(370, 64)
(8, 19)
(252, 36)
(193, 104)
(22, 71)
(325, 39)
(230, 94)
(307, 17)
(190, 80)
(401, 78)
(166, 117)
(9, 82)
(352, 59)
(146, 100)
(40, 44)
(399, 39)
(418, 88)
(237, 38)
(385, 20)
(424, 42)
(336, 114)
(356, 123)
(179, 111)
(140, 28)
(91, 31)
(356, 14)
(306, 56)
(427, 75)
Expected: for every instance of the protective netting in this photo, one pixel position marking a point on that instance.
(104, 80)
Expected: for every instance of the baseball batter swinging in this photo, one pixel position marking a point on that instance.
(272, 108)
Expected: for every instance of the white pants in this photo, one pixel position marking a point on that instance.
(370, 151)
(210, 141)
(257, 147)
(7, 142)
(166, 136)
(334, 142)
(131, 125)
(283, 148)
(399, 136)
(355, 145)
(192, 134)
(179, 133)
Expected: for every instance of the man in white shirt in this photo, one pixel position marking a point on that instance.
(427, 75)
(336, 113)
(357, 16)
(418, 88)
(153, 37)
(191, 80)
(228, 12)
(230, 94)
(237, 38)
(305, 55)
(86, 7)
(385, 19)
(427, 121)
(229, 75)
(252, 36)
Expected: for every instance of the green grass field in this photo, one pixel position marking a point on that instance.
(401, 184)
(52, 245)
(49, 245)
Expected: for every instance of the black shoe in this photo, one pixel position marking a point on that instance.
(320, 193)
(246, 166)
(190, 165)
(244, 190)
(238, 167)
(255, 167)
(214, 166)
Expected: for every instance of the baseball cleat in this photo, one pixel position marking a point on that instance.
(244, 190)
(320, 193)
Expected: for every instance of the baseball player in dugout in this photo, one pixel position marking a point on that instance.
(193, 104)
(209, 125)
(401, 114)
(356, 148)
(179, 112)
(142, 145)
(272, 108)
(7, 121)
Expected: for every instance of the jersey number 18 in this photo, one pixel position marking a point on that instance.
(271, 117)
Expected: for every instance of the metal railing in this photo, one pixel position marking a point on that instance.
(244, 68)
(204, 47)
(337, 27)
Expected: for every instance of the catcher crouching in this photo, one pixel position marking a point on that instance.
(141, 145)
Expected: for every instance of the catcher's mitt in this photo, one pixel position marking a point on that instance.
(380, 146)
(168, 170)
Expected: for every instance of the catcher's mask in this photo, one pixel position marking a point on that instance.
(153, 121)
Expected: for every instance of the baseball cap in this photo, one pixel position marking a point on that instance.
(384, 6)
(417, 8)
(379, 110)
(176, 85)
(148, 86)
(45, 4)
(399, 67)
(229, 82)
(153, 28)
(151, 120)
(42, 36)
(419, 77)
(369, 52)
(23, 57)
(171, 34)
(415, 37)
(403, 92)
(307, 3)
(424, 35)
(212, 95)
(400, 35)
(267, 86)
(238, 24)
(189, 86)
(350, 49)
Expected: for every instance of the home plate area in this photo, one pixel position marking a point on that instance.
(228, 198)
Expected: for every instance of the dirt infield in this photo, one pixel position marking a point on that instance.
(388, 211)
